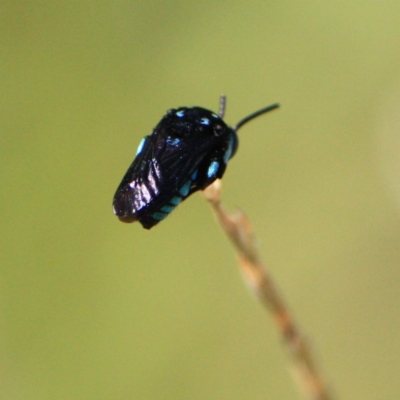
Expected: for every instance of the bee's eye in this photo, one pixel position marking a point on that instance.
(218, 129)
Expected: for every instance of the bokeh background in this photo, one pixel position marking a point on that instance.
(91, 308)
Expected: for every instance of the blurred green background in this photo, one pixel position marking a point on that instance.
(95, 309)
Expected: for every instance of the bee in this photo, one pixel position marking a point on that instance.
(186, 152)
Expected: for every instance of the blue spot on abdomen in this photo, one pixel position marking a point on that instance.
(184, 190)
(194, 175)
(159, 216)
(175, 200)
(167, 209)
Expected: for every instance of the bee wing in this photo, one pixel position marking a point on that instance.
(163, 166)
(179, 160)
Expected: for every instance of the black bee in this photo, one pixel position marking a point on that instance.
(187, 151)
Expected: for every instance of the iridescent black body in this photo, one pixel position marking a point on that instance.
(187, 151)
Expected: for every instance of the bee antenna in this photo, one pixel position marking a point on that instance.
(222, 106)
(254, 115)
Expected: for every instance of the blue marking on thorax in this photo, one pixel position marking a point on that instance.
(173, 141)
(175, 200)
(167, 209)
(141, 145)
(228, 152)
(213, 169)
(180, 114)
(205, 121)
(184, 190)
(159, 216)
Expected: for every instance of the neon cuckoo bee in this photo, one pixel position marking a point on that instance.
(186, 152)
